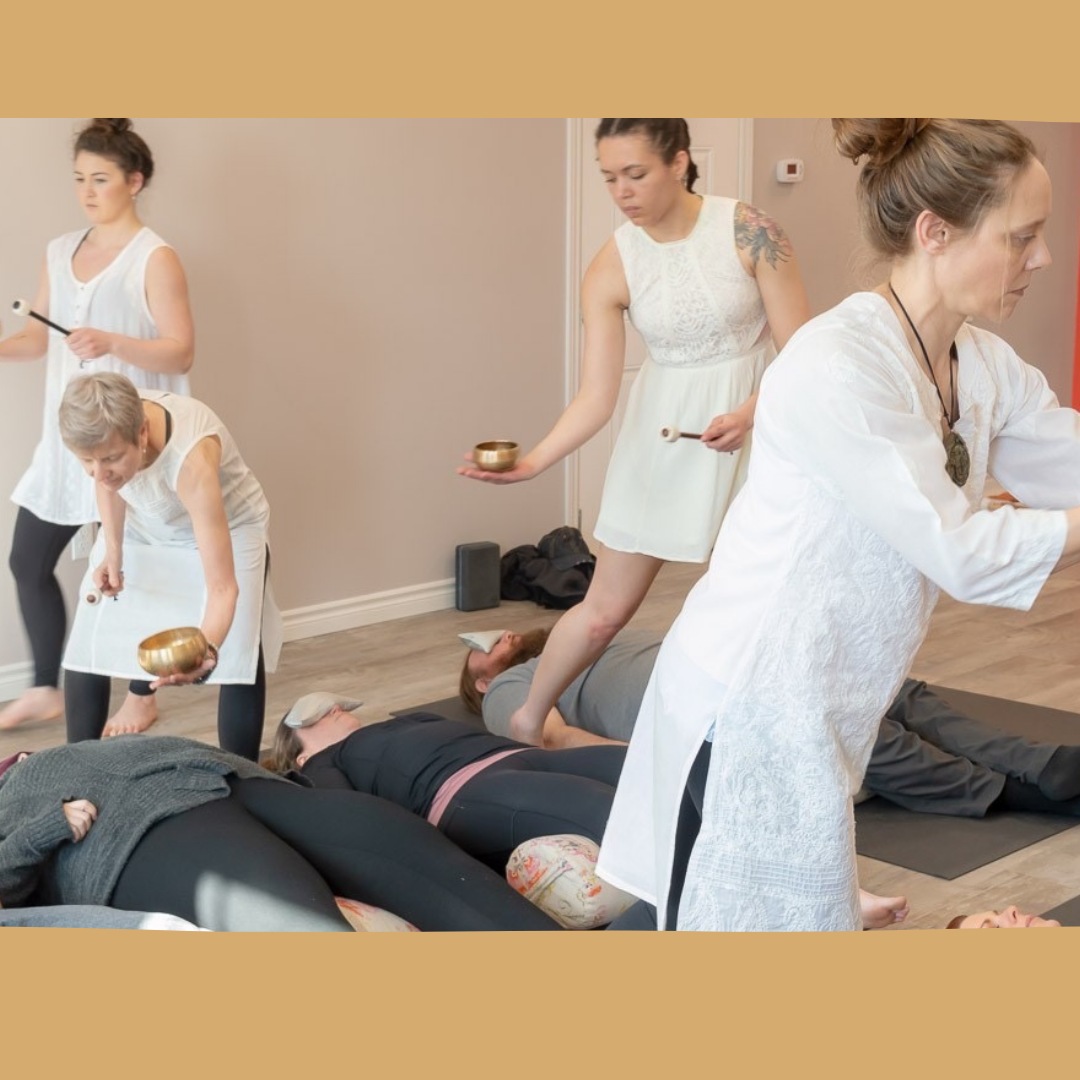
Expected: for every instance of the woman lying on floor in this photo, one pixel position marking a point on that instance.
(176, 826)
(486, 793)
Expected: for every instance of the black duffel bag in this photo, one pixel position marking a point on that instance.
(554, 573)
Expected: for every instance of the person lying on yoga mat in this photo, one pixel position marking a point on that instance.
(144, 823)
(487, 793)
(1009, 918)
(929, 757)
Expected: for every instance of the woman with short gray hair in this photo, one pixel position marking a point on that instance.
(183, 542)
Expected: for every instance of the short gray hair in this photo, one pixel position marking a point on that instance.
(95, 406)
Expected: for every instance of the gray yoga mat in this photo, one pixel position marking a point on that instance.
(948, 847)
(453, 708)
(1068, 914)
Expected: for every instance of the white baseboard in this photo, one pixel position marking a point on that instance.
(308, 622)
(366, 610)
(15, 678)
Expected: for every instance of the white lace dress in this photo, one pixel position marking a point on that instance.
(818, 595)
(703, 320)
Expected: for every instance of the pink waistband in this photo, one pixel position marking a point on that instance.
(454, 783)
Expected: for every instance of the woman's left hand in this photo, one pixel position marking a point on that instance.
(523, 470)
(728, 432)
(188, 678)
(89, 344)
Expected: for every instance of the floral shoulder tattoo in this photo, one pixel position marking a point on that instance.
(754, 229)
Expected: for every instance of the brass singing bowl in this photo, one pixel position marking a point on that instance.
(497, 455)
(173, 652)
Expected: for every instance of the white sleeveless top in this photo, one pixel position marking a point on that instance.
(155, 514)
(704, 323)
(164, 581)
(692, 300)
(55, 488)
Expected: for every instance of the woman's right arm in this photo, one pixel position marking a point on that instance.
(109, 576)
(845, 418)
(26, 849)
(604, 298)
(32, 341)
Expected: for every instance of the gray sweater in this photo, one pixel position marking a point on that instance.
(134, 781)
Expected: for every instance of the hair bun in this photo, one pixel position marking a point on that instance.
(113, 125)
(878, 140)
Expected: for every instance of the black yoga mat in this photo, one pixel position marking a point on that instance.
(1068, 914)
(947, 847)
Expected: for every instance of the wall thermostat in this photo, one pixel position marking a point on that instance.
(789, 171)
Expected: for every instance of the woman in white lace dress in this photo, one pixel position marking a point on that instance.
(711, 284)
(876, 430)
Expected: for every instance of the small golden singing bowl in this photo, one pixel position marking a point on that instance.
(497, 455)
(173, 652)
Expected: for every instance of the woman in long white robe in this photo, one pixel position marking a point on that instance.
(828, 567)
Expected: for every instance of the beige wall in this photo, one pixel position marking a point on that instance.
(374, 296)
(819, 215)
(371, 298)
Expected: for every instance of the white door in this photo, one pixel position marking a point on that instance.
(722, 149)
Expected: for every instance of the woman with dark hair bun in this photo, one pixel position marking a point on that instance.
(876, 430)
(120, 291)
(711, 284)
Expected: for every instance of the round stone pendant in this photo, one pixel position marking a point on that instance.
(958, 461)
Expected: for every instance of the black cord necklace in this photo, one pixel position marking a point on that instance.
(957, 458)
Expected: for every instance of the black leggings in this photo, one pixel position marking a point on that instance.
(241, 710)
(35, 550)
(534, 793)
(274, 855)
(642, 916)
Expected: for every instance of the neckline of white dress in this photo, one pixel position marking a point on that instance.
(683, 239)
(105, 269)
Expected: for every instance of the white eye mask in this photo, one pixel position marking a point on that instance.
(483, 641)
(311, 708)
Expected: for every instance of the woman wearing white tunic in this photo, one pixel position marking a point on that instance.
(707, 281)
(876, 430)
(183, 542)
(120, 290)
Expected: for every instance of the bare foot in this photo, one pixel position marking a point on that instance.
(38, 703)
(137, 713)
(881, 911)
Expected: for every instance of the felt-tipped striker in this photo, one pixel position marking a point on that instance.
(670, 433)
(21, 307)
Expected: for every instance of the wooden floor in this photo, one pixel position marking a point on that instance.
(1023, 656)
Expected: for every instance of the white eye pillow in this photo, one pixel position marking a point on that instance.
(484, 640)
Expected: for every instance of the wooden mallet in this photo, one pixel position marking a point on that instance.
(672, 433)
